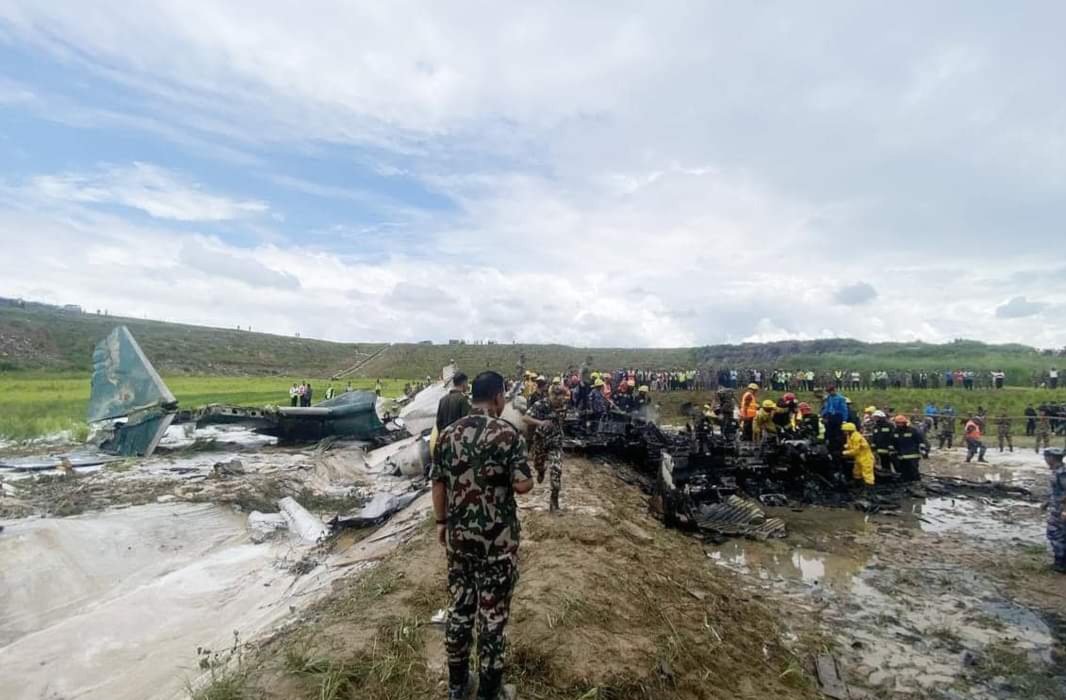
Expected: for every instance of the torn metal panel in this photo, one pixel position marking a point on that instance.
(738, 516)
(123, 380)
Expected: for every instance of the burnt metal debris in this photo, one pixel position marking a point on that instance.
(702, 478)
(131, 408)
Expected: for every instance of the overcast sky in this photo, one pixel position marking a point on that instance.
(596, 173)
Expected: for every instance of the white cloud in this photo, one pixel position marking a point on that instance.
(1019, 307)
(156, 191)
(590, 151)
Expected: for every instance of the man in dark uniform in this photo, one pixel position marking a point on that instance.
(480, 465)
(1030, 421)
(907, 442)
(1056, 507)
(1003, 431)
(454, 405)
(883, 442)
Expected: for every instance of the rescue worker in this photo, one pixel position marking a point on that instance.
(867, 426)
(972, 435)
(480, 465)
(810, 426)
(1030, 421)
(945, 436)
(548, 441)
(785, 417)
(859, 449)
(453, 405)
(703, 430)
(764, 427)
(1043, 429)
(540, 390)
(1003, 431)
(597, 403)
(907, 442)
(1056, 507)
(643, 397)
(834, 411)
(749, 407)
(882, 439)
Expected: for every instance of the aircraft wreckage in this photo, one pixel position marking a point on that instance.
(704, 479)
(130, 408)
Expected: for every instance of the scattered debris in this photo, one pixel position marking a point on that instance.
(224, 470)
(302, 523)
(265, 526)
(829, 680)
(381, 506)
(738, 516)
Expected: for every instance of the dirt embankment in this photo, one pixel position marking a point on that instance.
(610, 605)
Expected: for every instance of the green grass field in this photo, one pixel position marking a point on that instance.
(36, 405)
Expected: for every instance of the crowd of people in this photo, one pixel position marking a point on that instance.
(806, 380)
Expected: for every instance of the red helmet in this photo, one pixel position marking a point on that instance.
(789, 397)
(805, 408)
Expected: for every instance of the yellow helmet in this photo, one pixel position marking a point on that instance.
(644, 389)
(768, 403)
(598, 383)
(557, 380)
(753, 386)
(595, 375)
(848, 427)
(869, 409)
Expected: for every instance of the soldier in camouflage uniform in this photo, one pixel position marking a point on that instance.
(1043, 430)
(479, 466)
(1003, 432)
(548, 441)
(946, 435)
(1056, 508)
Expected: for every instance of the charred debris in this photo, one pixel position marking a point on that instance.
(704, 479)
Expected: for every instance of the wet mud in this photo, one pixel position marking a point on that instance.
(946, 598)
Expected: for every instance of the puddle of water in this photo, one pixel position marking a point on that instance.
(803, 564)
(999, 521)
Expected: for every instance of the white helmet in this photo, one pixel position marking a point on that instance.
(880, 414)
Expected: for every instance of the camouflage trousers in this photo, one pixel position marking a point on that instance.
(550, 458)
(1005, 439)
(1043, 437)
(1056, 536)
(481, 592)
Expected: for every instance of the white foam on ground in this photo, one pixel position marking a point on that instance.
(113, 605)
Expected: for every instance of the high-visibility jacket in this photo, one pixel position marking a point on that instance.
(858, 449)
(973, 430)
(764, 423)
(749, 406)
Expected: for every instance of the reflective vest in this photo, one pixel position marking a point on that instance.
(748, 405)
(973, 430)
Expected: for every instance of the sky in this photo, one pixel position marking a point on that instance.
(597, 173)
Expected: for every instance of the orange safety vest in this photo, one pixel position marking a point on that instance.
(973, 430)
(748, 405)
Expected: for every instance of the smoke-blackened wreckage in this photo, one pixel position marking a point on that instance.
(304, 475)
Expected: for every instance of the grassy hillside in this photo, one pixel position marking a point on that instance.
(1019, 361)
(43, 339)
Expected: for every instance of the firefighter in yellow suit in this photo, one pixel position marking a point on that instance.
(859, 449)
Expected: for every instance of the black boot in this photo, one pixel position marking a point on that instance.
(553, 504)
(1060, 565)
(490, 685)
(458, 681)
